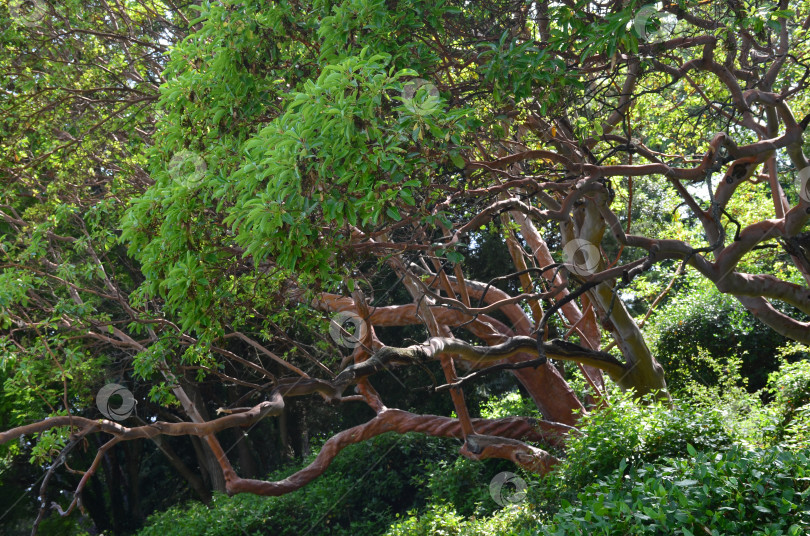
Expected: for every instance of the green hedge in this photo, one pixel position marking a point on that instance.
(737, 492)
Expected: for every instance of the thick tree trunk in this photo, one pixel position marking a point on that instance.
(644, 374)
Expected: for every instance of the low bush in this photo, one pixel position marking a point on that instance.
(763, 492)
(629, 431)
(789, 388)
(464, 484)
(790, 385)
(360, 494)
(705, 322)
(736, 492)
(443, 520)
(747, 419)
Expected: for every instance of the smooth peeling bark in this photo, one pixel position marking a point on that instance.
(644, 374)
(394, 420)
(481, 447)
(498, 438)
(588, 327)
(545, 385)
(518, 259)
(435, 329)
(548, 389)
(779, 322)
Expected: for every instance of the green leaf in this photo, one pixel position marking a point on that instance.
(393, 213)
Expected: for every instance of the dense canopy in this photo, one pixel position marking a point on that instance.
(226, 207)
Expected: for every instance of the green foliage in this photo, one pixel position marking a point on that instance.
(790, 385)
(744, 415)
(790, 389)
(463, 484)
(363, 489)
(368, 486)
(509, 405)
(338, 151)
(437, 519)
(703, 323)
(628, 432)
(796, 432)
(285, 132)
(739, 492)
(443, 520)
(635, 469)
(233, 148)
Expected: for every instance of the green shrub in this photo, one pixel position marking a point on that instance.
(790, 385)
(361, 492)
(627, 430)
(509, 405)
(464, 484)
(763, 492)
(789, 388)
(705, 319)
(437, 520)
(744, 415)
(442, 520)
(796, 434)
(635, 468)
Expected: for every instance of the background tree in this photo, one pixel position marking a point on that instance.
(367, 158)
